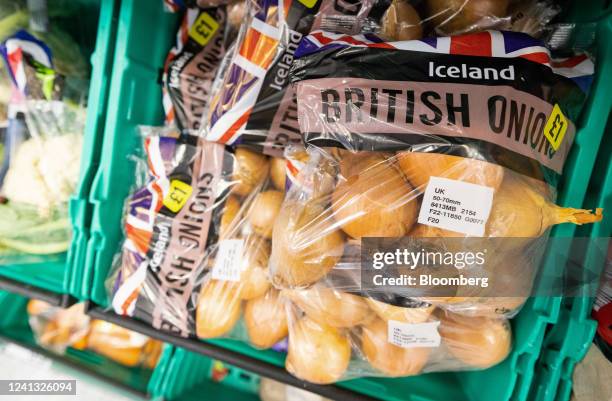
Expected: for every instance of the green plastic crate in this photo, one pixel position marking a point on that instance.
(80, 208)
(55, 274)
(568, 340)
(135, 98)
(15, 327)
(188, 377)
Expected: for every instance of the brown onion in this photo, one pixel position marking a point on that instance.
(230, 211)
(456, 16)
(328, 306)
(251, 169)
(254, 281)
(374, 201)
(218, 308)
(389, 358)
(264, 211)
(266, 319)
(401, 22)
(477, 341)
(418, 167)
(278, 172)
(306, 244)
(317, 353)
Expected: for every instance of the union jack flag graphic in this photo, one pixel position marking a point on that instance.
(502, 44)
(256, 51)
(142, 210)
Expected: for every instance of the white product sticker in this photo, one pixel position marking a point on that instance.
(228, 264)
(456, 206)
(413, 335)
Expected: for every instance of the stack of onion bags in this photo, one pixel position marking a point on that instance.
(374, 147)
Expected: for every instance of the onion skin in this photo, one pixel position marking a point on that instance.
(374, 201)
(401, 22)
(520, 211)
(331, 307)
(251, 169)
(425, 231)
(419, 167)
(264, 211)
(254, 281)
(230, 211)
(480, 342)
(456, 16)
(406, 315)
(306, 244)
(389, 358)
(278, 173)
(317, 353)
(266, 319)
(218, 310)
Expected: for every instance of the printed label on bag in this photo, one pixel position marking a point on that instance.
(555, 127)
(228, 262)
(456, 206)
(413, 335)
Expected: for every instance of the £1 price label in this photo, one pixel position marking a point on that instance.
(556, 127)
(177, 196)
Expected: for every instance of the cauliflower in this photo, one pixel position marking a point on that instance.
(44, 171)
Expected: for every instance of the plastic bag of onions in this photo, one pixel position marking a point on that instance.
(198, 230)
(335, 335)
(413, 19)
(429, 166)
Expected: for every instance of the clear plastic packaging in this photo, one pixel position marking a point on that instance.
(253, 106)
(411, 19)
(336, 336)
(198, 229)
(57, 329)
(41, 153)
(414, 153)
(191, 65)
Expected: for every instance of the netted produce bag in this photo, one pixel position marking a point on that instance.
(430, 178)
(57, 329)
(198, 229)
(335, 335)
(42, 152)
